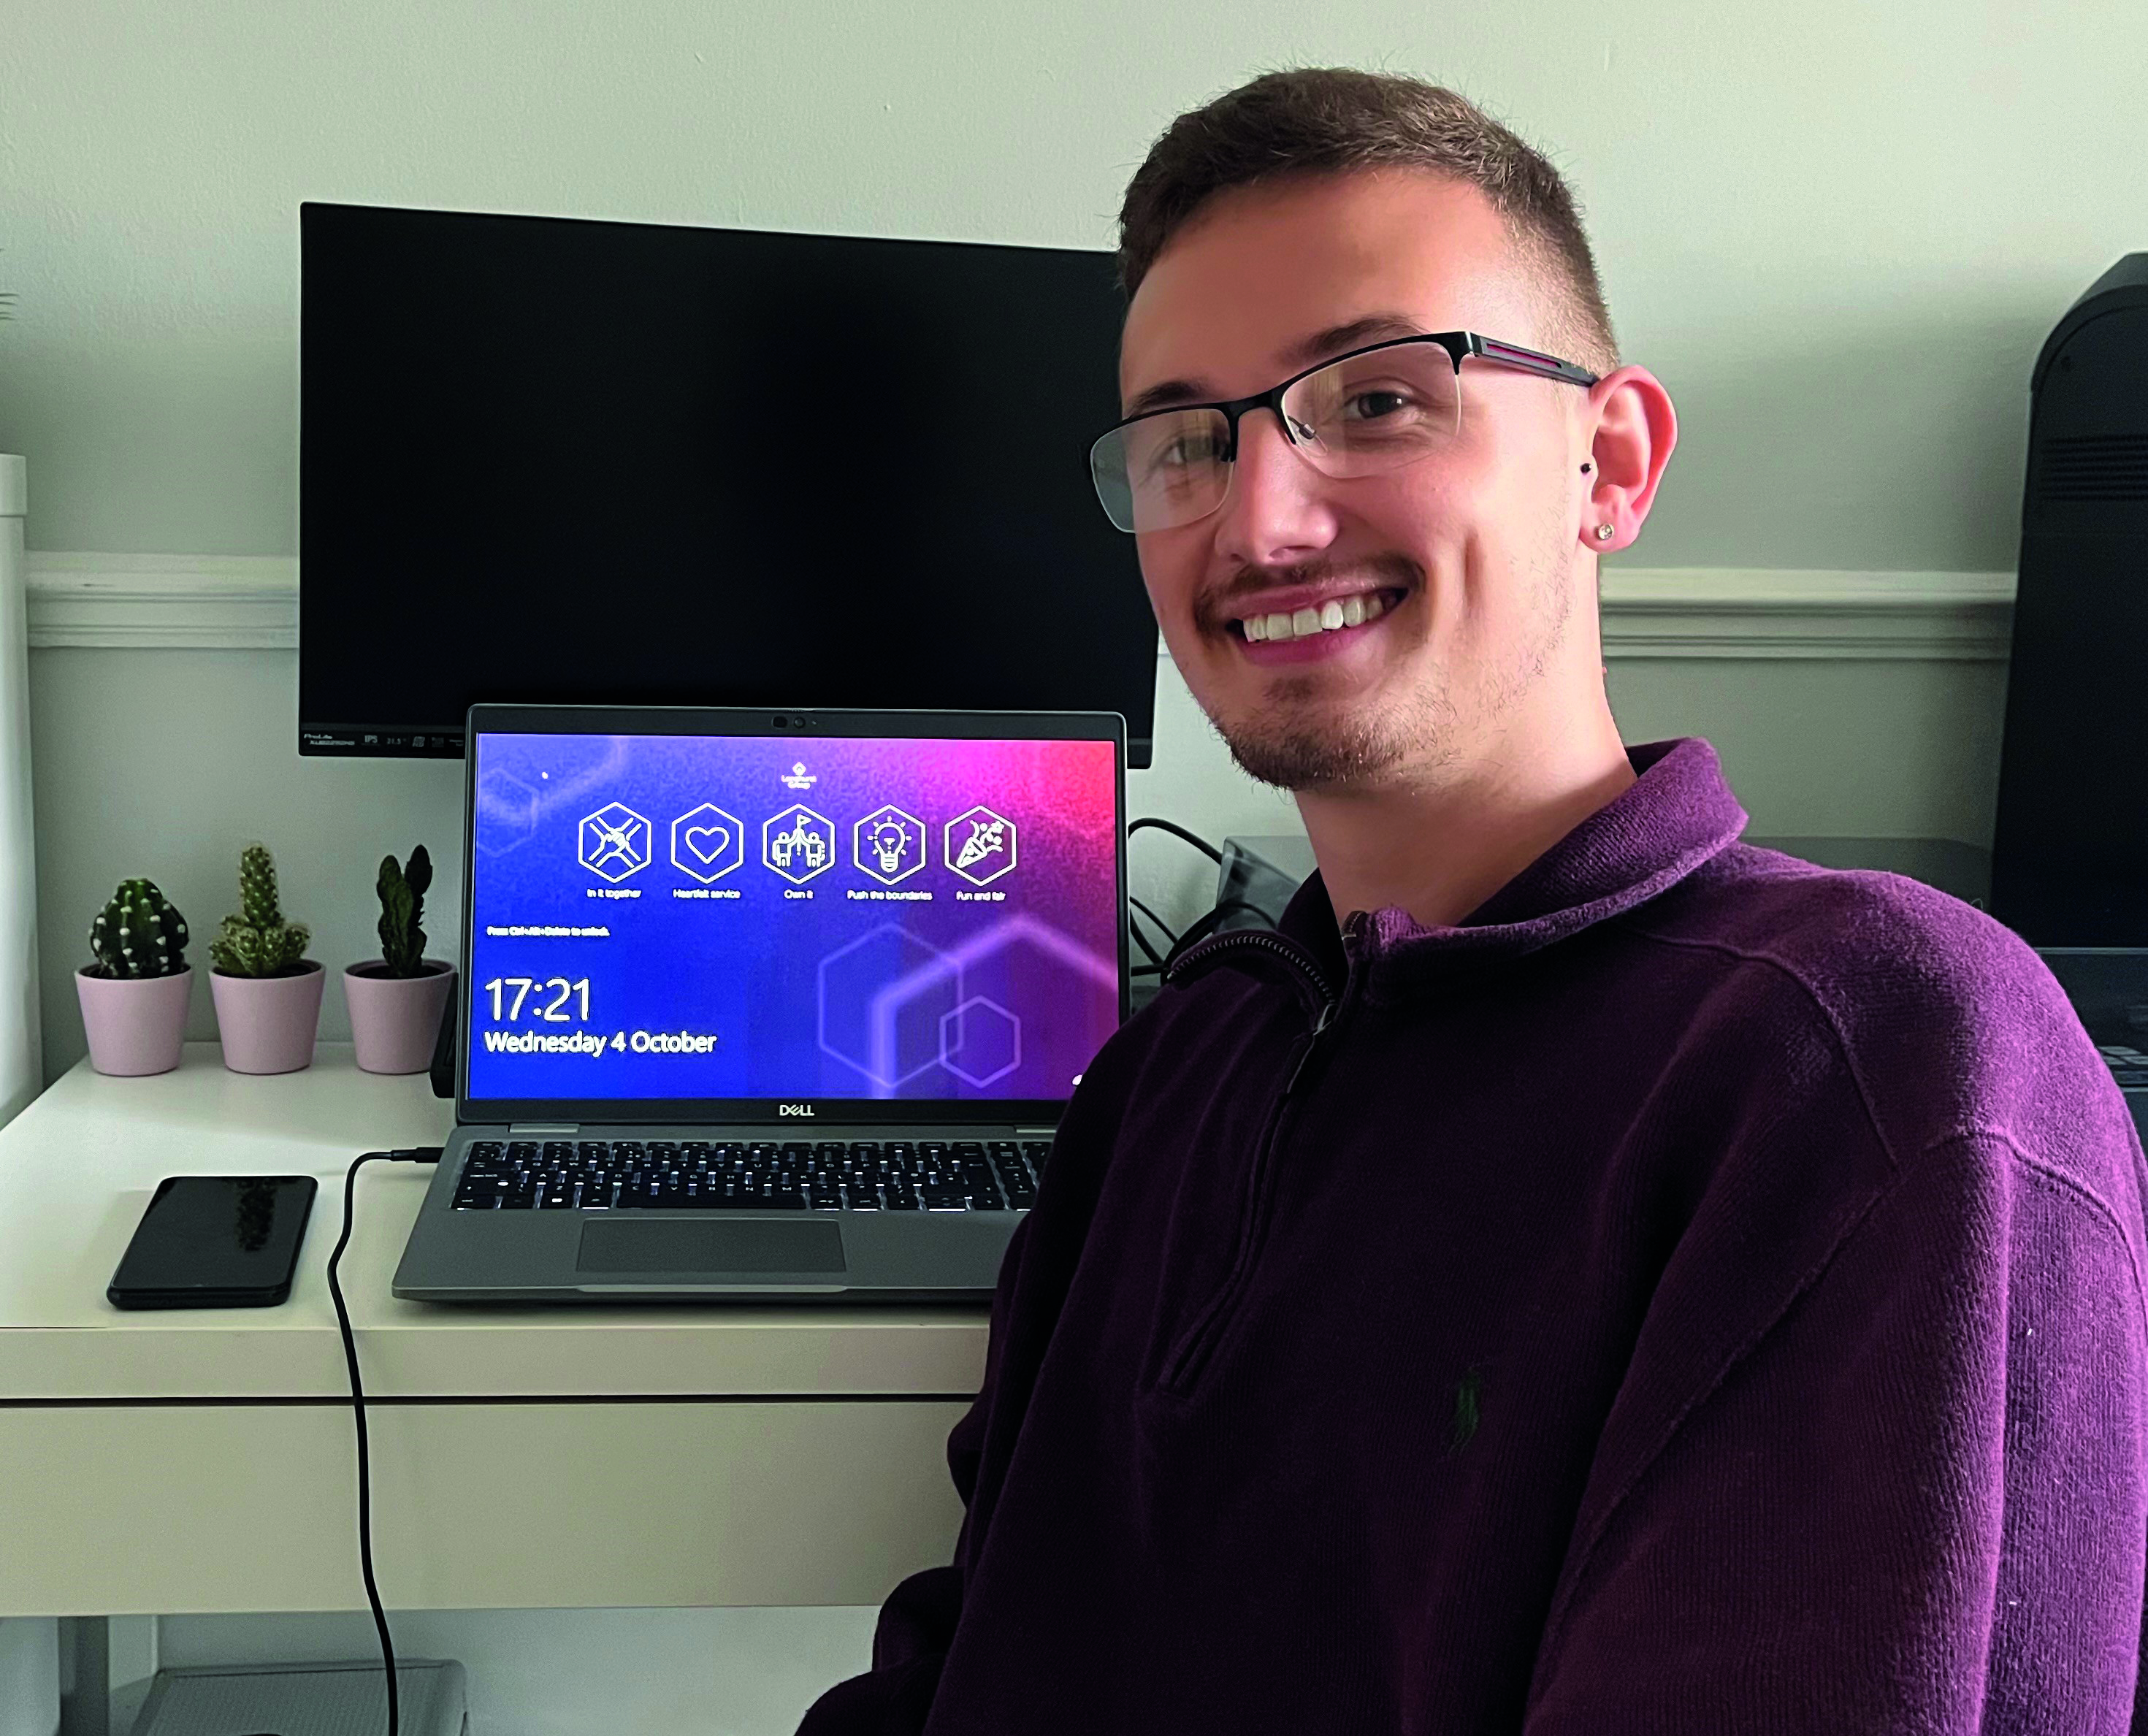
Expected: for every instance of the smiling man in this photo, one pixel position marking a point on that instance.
(1582, 1274)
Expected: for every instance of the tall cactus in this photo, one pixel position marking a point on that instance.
(139, 933)
(401, 903)
(258, 942)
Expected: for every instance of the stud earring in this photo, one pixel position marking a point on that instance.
(1602, 533)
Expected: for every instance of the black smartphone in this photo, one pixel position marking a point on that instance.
(215, 1241)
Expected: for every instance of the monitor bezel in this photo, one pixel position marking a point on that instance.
(762, 721)
(332, 737)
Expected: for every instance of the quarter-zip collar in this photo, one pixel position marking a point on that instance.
(1677, 814)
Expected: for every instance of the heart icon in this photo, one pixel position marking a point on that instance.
(707, 842)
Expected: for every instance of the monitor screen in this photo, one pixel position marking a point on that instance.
(802, 920)
(547, 460)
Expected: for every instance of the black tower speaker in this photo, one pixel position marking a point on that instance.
(2069, 852)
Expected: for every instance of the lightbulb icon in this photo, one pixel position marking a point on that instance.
(889, 845)
(889, 841)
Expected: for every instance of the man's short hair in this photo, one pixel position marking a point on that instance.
(1324, 120)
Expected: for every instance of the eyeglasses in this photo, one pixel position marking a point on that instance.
(1374, 410)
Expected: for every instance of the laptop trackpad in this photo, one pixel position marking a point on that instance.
(709, 1244)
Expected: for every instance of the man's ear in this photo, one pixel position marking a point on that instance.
(1636, 430)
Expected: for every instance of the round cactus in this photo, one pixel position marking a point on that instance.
(258, 942)
(139, 933)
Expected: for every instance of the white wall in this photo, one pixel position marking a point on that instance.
(1838, 236)
(1838, 231)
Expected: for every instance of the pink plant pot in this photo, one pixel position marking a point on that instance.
(395, 1021)
(268, 1023)
(135, 1024)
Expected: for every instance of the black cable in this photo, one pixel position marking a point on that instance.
(1199, 930)
(1202, 927)
(1206, 924)
(1157, 965)
(1141, 940)
(1169, 933)
(1176, 830)
(419, 1154)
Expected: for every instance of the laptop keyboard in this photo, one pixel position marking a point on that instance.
(2127, 1064)
(859, 1176)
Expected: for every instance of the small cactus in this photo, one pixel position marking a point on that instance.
(401, 903)
(258, 942)
(139, 933)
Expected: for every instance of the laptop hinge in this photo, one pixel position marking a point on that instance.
(531, 1130)
(1037, 1132)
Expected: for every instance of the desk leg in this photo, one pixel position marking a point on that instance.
(106, 1664)
(130, 1659)
(85, 1676)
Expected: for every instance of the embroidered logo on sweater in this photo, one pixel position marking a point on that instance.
(1465, 1410)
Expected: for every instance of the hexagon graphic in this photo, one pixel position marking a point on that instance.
(889, 845)
(506, 813)
(798, 844)
(883, 999)
(707, 843)
(980, 846)
(615, 842)
(986, 1041)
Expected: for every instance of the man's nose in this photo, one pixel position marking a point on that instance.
(1276, 509)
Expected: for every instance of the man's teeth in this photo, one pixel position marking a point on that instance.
(1331, 616)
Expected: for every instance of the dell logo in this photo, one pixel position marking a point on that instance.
(794, 1109)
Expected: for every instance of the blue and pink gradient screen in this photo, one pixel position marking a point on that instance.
(669, 917)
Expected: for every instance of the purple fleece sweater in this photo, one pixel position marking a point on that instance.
(1700, 1292)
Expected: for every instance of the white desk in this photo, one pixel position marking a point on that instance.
(201, 1460)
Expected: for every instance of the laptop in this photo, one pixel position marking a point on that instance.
(2109, 988)
(763, 1004)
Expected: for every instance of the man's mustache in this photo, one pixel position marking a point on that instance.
(1215, 606)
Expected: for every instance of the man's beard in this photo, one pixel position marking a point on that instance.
(1287, 743)
(1293, 749)
(1292, 745)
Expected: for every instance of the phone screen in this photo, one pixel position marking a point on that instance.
(215, 1241)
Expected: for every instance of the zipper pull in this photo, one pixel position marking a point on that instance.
(1319, 1029)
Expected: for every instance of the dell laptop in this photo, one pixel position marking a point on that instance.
(768, 1004)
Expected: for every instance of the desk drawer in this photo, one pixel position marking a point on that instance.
(184, 1508)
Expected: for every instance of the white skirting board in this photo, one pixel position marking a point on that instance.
(250, 602)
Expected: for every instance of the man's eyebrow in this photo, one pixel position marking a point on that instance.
(1169, 393)
(1352, 334)
(1369, 329)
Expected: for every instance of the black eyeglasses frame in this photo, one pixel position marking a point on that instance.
(1458, 346)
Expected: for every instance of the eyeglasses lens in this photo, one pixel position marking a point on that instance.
(1376, 412)
(1163, 470)
(1362, 415)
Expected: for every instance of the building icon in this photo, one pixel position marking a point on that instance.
(798, 844)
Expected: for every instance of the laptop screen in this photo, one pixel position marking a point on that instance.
(789, 923)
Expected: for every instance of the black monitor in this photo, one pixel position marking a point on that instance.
(551, 459)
